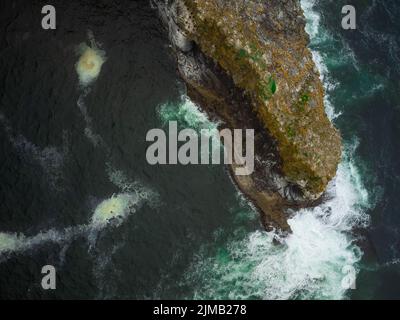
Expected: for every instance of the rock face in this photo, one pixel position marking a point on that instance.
(246, 62)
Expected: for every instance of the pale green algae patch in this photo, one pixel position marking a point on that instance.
(91, 59)
(116, 207)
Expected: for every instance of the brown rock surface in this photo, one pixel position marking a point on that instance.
(247, 63)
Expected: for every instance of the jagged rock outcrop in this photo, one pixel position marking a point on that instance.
(247, 63)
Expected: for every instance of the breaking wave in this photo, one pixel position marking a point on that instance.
(307, 264)
(311, 262)
(188, 115)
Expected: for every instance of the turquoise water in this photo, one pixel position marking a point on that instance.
(246, 263)
(311, 262)
(78, 193)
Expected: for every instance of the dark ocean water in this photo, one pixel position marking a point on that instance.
(368, 96)
(187, 232)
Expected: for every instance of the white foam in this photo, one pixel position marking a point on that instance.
(313, 29)
(9, 242)
(320, 36)
(91, 59)
(311, 264)
(51, 159)
(115, 208)
(186, 112)
(189, 114)
(308, 263)
(313, 18)
(93, 137)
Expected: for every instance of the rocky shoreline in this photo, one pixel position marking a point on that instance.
(291, 169)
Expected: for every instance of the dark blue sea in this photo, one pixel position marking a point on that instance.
(77, 193)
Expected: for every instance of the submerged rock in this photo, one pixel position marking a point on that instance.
(246, 62)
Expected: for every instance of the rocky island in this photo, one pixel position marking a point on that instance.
(246, 62)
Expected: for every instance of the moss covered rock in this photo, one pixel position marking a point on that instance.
(262, 45)
(247, 63)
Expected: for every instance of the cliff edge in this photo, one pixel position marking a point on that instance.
(246, 62)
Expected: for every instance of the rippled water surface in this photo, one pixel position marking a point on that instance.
(76, 190)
